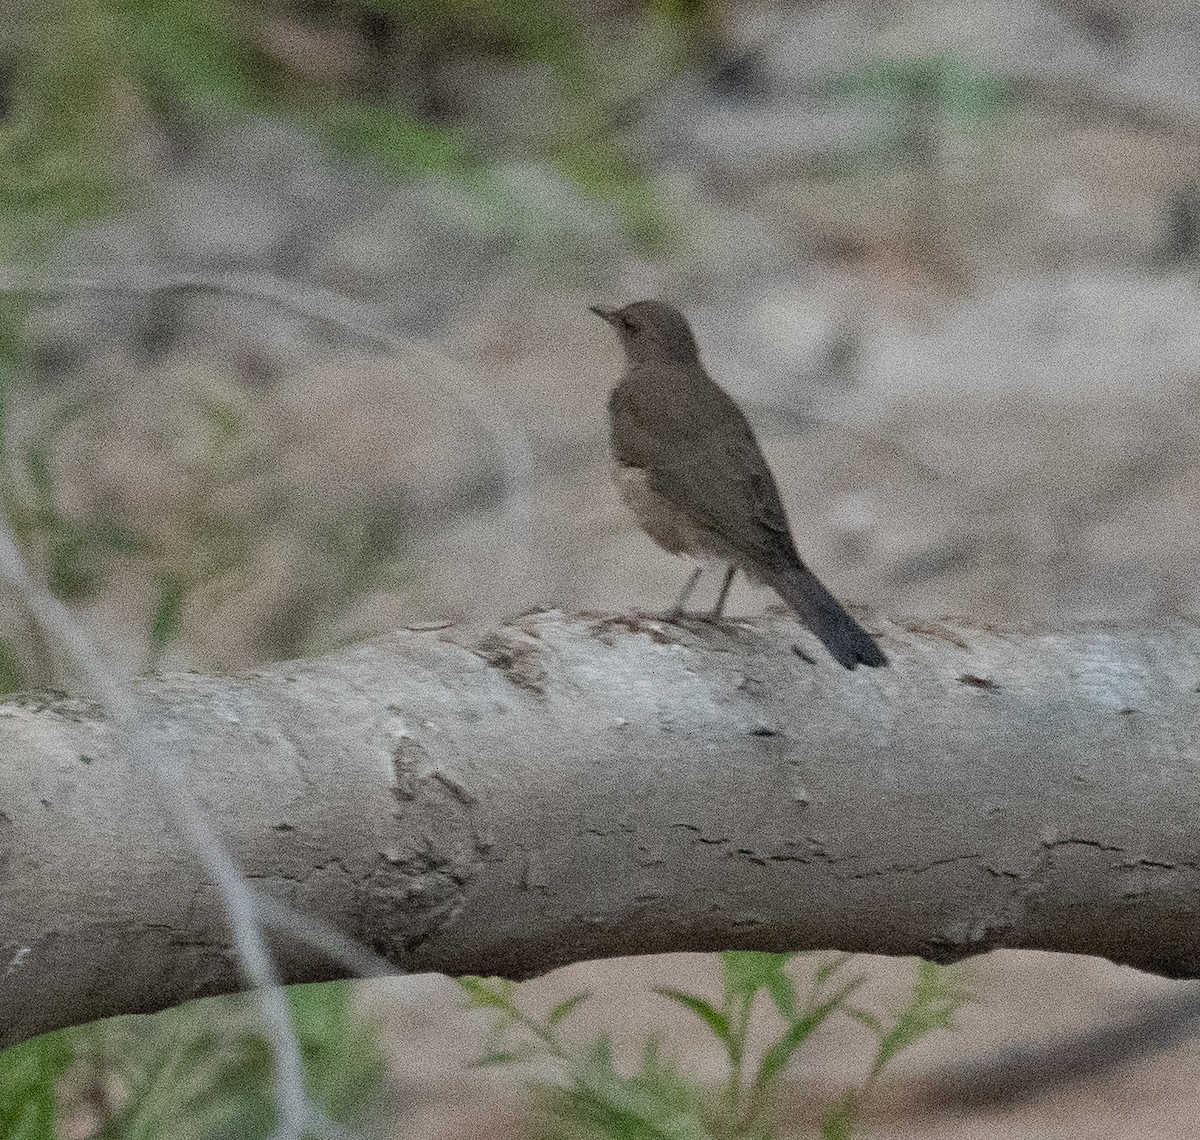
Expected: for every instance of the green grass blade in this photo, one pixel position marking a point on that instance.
(564, 1009)
(712, 1017)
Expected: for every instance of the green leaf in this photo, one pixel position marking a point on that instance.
(189, 54)
(11, 676)
(37, 464)
(779, 1054)
(936, 997)
(839, 1122)
(488, 993)
(343, 1064)
(168, 615)
(399, 143)
(712, 1017)
(829, 967)
(566, 1008)
(686, 11)
(783, 994)
(600, 1103)
(505, 1057)
(118, 538)
(748, 971)
(70, 573)
(863, 1017)
(950, 84)
(29, 1077)
(601, 1052)
(193, 1073)
(205, 1071)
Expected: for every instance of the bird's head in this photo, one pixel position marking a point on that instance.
(651, 330)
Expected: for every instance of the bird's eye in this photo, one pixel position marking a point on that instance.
(628, 324)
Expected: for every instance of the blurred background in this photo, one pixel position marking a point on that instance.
(295, 349)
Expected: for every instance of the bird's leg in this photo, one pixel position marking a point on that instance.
(719, 608)
(686, 592)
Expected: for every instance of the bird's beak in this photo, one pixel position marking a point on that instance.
(604, 314)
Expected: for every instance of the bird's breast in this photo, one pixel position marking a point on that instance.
(667, 523)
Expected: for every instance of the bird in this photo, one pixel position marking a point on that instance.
(687, 464)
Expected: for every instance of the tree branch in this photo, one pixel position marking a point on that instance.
(579, 788)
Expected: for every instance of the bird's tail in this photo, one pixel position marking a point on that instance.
(845, 639)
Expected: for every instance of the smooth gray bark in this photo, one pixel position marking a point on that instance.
(575, 788)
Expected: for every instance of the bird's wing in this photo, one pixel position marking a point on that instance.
(726, 487)
(712, 468)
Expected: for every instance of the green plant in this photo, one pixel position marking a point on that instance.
(591, 1098)
(75, 553)
(196, 1072)
(653, 1102)
(915, 98)
(951, 84)
(29, 1078)
(11, 674)
(937, 994)
(746, 975)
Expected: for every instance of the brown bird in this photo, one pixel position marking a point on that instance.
(690, 469)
